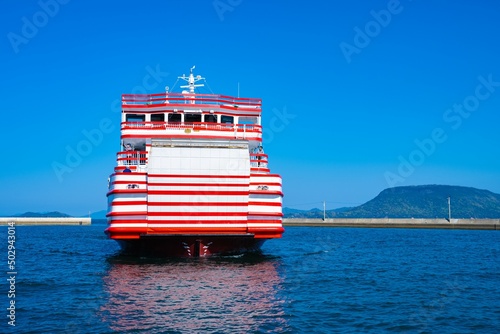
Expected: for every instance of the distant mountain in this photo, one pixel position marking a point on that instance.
(428, 201)
(313, 213)
(53, 214)
(57, 214)
(290, 211)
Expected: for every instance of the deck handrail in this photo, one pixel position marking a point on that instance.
(193, 125)
(258, 160)
(128, 158)
(179, 98)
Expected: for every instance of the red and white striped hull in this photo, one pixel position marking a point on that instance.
(195, 198)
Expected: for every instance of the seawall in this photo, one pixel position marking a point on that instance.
(463, 224)
(45, 221)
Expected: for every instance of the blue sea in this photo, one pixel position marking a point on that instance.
(71, 279)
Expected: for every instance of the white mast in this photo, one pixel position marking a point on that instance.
(192, 80)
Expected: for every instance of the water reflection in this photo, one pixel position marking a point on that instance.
(233, 295)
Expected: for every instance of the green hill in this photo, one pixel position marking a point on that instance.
(428, 201)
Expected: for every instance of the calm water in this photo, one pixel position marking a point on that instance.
(323, 280)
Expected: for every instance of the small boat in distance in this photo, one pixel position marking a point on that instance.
(192, 178)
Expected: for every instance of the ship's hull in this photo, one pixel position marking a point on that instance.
(201, 245)
(192, 178)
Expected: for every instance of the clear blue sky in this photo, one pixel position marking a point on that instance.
(358, 95)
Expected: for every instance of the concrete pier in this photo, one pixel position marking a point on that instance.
(463, 224)
(45, 221)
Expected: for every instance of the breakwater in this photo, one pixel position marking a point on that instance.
(464, 224)
(46, 221)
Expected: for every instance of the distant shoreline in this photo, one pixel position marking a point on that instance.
(46, 221)
(463, 224)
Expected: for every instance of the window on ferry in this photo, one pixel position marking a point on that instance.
(226, 119)
(192, 118)
(134, 144)
(247, 120)
(210, 118)
(135, 118)
(157, 118)
(174, 118)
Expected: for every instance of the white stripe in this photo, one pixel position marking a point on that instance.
(264, 225)
(200, 226)
(127, 225)
(191, 218)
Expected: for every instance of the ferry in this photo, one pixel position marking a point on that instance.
(191, 177)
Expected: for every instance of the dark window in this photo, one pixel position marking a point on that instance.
(192, 118)
(174, 118)
(135, 118)
(210, 119)
(157, 118)
(226, 119)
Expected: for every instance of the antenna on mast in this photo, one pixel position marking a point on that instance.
(192, 80)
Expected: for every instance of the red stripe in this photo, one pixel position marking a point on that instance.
(197, 204)
(270, 214)
(198, 221)
(132, 213)
(175, 104)
(217, 204)
(267, 232)
(261, 221)
(127, 221)
(194, 128)
(197, 214)
(197, 230)
(188, 135)
(197, 192)
(264, 175)
(265, 192)
(222, 99)
(126, 191)
(201, 176)
(262, 169)
(134, 173)
(129, 182)
(266, 183)
(129, 203)
(189, 184)
(202, 97)
(175, 100)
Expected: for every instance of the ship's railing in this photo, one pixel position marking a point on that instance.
(131, 158)
(258, 160)
(194, 126)
(182, 99)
